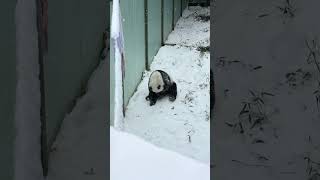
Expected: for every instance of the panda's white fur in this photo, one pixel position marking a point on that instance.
(156, 82)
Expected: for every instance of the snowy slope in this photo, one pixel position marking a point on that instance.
(183, 125)
(260, 48)
(80, 150)
(131, 158)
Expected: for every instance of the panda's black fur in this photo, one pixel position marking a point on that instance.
(160, 84)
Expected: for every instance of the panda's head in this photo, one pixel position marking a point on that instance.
(156, 82)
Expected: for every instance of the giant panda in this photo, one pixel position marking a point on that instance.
(160, 84)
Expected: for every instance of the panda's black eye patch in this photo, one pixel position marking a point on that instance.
(159, 87)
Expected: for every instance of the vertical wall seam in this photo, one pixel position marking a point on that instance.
(181, 8)
(146, 33)
(41, 47)
(162, 41)
(172, 28)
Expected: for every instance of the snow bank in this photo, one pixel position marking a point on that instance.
(134, 159)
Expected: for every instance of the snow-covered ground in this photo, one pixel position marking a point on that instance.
(82, 137)
(183, 125)
(260, 48)
(192, 29)
(132, 158)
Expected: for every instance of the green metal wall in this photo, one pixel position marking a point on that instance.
(75, 41)
(154, 28)
(177, 10)
(134, 39)
(8, 85)
(167, 18)
(184, 4)
(139, 39)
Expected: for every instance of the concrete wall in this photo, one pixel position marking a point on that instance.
(7, 90)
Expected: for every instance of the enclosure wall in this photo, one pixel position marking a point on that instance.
(134, 41)
(167, 18)
(154, 28)
(146, 25)
(177, 11)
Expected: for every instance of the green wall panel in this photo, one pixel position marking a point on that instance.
(184, 4)
(177, 10)
(75, 41)
(134, 39)
(167, 18)
(154, 28)
(7, 91)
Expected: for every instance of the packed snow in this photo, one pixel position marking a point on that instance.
(135, 159)
(193, 28)
(182, 126)
(261, 60)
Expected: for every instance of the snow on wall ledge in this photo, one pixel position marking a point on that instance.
(134, 159)
(27, 115)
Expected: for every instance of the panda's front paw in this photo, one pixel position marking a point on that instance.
(152, 103)
(172, 98)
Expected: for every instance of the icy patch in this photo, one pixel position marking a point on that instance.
(183, 125)
(192, 29)
(133, 158)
